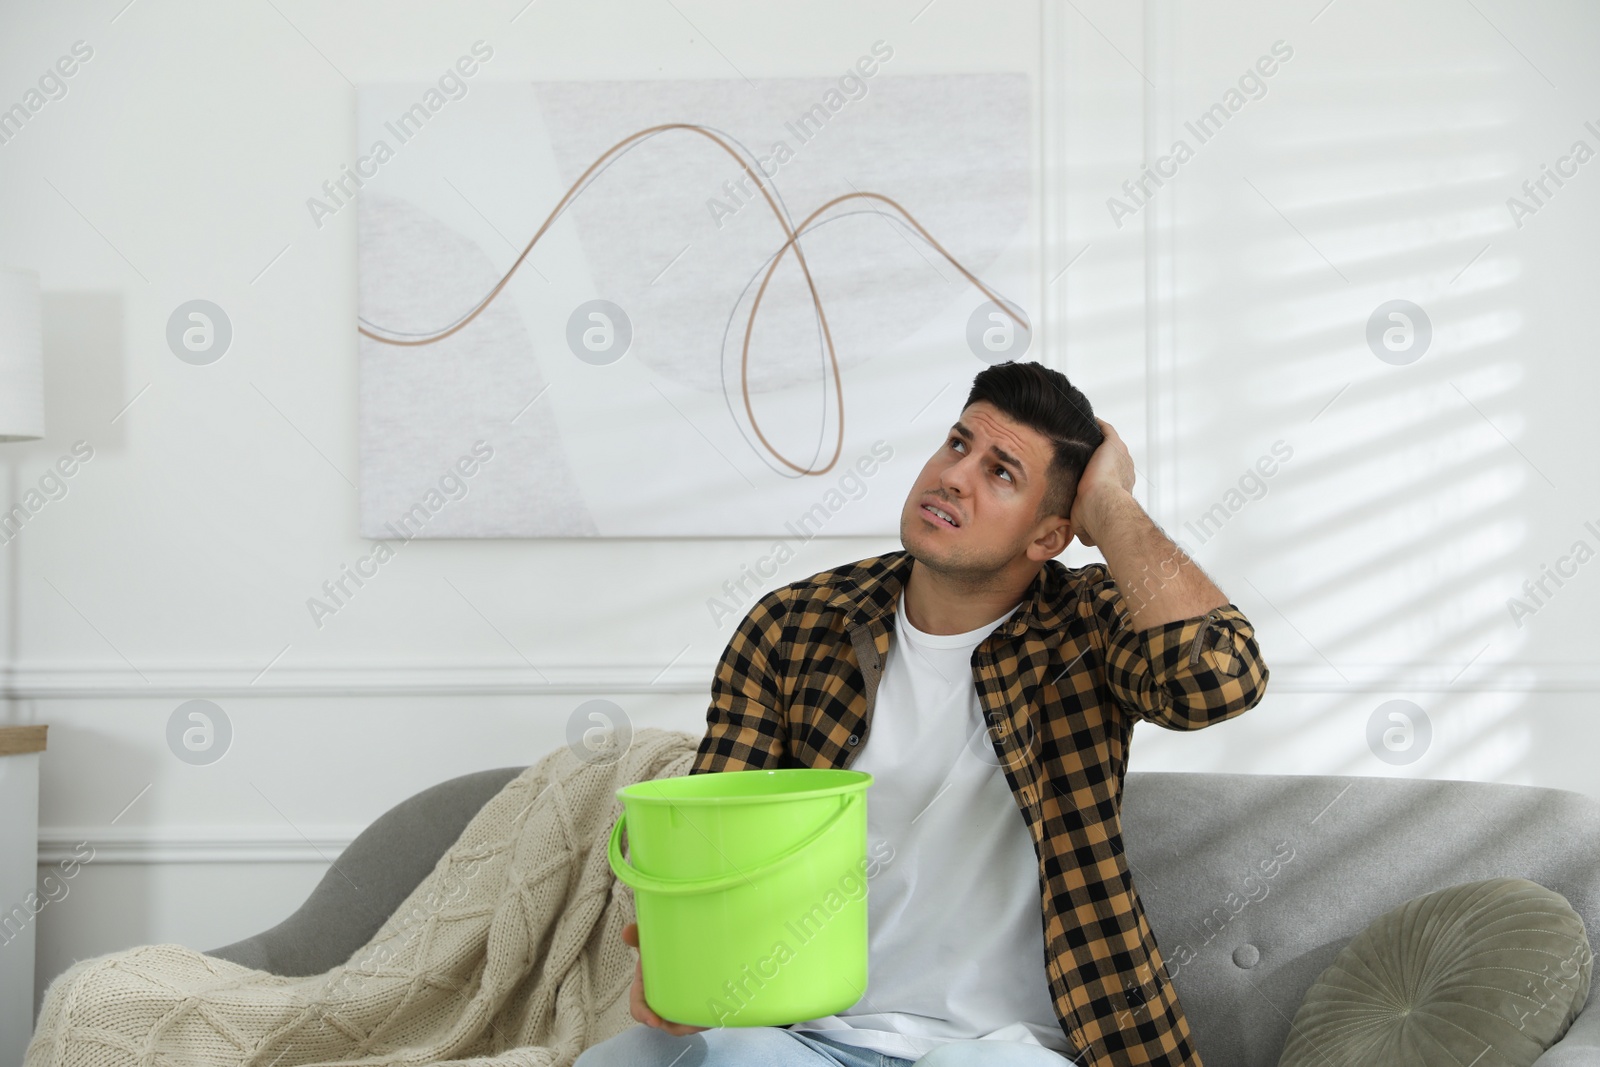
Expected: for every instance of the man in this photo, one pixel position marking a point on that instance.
(992, 692)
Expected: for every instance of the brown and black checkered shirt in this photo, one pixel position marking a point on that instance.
(1061, 684)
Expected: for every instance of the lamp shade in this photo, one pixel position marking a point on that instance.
(21, 355)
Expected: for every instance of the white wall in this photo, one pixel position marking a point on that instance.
(1227, 314)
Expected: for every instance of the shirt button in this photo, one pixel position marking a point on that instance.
(854, 739)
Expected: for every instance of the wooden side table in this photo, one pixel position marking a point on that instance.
(20, 749)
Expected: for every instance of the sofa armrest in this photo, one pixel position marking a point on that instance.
(1580, 1045)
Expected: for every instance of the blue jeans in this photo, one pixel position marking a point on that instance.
(773, 1046)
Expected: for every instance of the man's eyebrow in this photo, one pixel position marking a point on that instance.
(961, 430)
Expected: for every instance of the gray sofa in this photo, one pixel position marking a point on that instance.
(1252, 883)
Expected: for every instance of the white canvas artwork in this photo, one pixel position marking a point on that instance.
(606, 386)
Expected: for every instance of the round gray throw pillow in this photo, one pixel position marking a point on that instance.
(1500, 965)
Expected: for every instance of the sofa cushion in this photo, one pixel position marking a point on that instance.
(1502, 963)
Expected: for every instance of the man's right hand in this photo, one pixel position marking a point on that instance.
(640, 1010)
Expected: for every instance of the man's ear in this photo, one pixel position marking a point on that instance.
(1053, 540)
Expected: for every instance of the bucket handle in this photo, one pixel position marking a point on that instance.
(637, 879)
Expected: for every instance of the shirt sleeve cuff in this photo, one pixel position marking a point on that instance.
(1187, 673)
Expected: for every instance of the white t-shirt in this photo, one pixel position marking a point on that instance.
(955, 947)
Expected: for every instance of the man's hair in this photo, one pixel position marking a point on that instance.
(1044, 401)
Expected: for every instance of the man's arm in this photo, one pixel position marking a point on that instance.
(1178, 653)
(1184, 674)
(745, 726)
(1158, 580)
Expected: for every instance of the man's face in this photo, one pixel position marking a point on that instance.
(988, 475)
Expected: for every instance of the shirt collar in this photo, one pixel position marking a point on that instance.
(871, 589)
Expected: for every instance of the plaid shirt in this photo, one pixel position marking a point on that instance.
(1061, 685)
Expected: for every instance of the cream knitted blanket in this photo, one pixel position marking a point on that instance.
(509, 953)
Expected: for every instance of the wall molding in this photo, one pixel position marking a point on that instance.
(101, 681)
(234, 843)
(60, 681)
(1158, 219)
(1054, 104)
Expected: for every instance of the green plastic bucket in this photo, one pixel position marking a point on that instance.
(750, 889)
